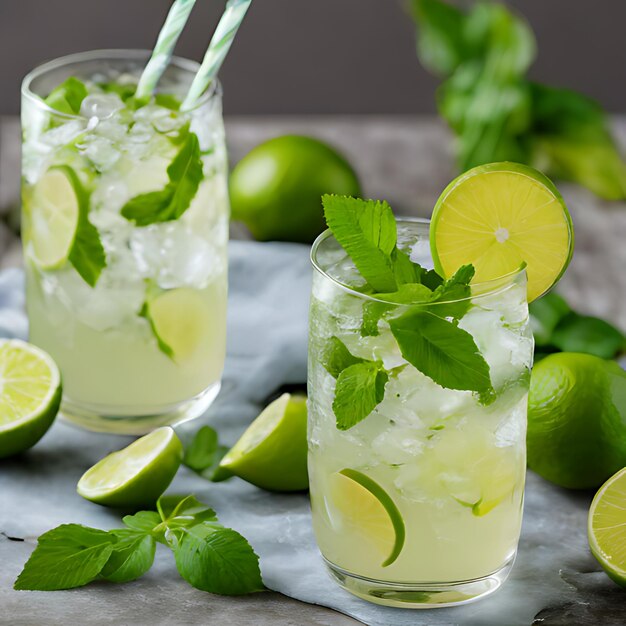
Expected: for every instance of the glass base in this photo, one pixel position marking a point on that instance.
(128, 422)
(420, 595)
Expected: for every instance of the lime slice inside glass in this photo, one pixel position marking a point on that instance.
(606, 527)
(53, 215)
(367, 510)
(499, 216)
(272, 452)
(30, 395)
(137, 475)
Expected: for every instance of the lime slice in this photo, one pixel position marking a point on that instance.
(368, 511)
(181, 321)
(54, 215)
(606, 527)
(30, 395)
(272, 453)
(137, 475)
(499, 216)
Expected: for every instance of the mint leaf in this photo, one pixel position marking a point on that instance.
(68, 96)
(218, 560)
(143, 521)
(204, 455)
(454, 294)
(167, 101)
(431, 279)
(336, 357)
(444, 352)
(132, 556)
(360, 389)
(591, 335)
(366, 230)
(179, 513)
(185, 174)
(545, 314)
(405, 271)
(372, 313)
(126, 92)
(66, 557)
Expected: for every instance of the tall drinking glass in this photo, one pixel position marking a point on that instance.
(420, 503)
(125, 229)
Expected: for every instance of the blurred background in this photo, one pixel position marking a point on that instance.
(325, 56)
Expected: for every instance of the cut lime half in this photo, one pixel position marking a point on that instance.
(30, 395)
(272, 453)
(137, 475)
(367, 510)
(54, 215)
(606, 527)
(499, 216)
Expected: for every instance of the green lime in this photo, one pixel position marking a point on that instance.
(272, 453)
(606, 527)
(367, 510)
(30, 395)
(137, 475)
(53, 216)
(499, 216)
(577, 419)
(276, 189)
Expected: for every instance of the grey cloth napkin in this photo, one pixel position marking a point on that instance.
(267, 339)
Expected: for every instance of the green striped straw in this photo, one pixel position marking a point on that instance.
(218, 49)
(164, 48)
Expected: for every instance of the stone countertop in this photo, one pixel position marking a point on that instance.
(407, 161)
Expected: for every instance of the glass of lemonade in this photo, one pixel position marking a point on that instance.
(125, 229)
(420, 503)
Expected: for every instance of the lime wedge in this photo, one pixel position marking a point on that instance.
(53, 216)
(30, 395)
(272, 453)
(137, 475)
(606, 527)
(181, 321)
(499, 216)
(367, 510)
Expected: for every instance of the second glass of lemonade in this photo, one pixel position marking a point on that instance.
(125, 229)
(420, 503)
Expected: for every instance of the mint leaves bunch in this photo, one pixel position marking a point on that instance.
(421, 308)
(209, 556)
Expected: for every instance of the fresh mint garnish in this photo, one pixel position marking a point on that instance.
(126, 92)
(208, 555)
(444, 352)
(452, 297)
(336, 357)
(185, 175)
(590, 335)
(68, 96)
(204, 453)
(359, 390)
(167, 101)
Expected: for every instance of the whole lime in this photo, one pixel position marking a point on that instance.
(276, 189)
(577, 420)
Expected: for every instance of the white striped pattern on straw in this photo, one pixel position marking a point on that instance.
(218, 49)
(164, 48)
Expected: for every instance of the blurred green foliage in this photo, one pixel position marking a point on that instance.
(497, 114)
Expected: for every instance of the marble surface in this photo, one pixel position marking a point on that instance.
(407, 161)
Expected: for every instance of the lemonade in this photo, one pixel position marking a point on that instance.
(451, 462)
(125, 226)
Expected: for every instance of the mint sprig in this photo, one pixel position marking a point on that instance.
(204, 453)
(208, 555)
(185, 175)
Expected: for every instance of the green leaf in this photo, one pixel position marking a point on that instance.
(200, 454)
(336, 357)
(125, 92)
(591, 335)
(132, 556)
(405, 271)
(360, 389)
(453, 294)
(218, 560)
(68, 96)
(143, 521)
(366, 230)
(185, 174)
(442, 351)
(66, 557)
(167, 101)
(545, 314)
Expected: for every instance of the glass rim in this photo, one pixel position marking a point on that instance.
(485, 288)
(182, 63)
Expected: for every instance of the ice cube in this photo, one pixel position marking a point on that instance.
(101, 152)
(64, 134)
(101, 105)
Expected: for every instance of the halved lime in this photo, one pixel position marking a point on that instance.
(498, 216)
(367, 510)
(272, 453)
(54, 215)
(606, 527)
(181, 321)
(30, 395)
(137, 475)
